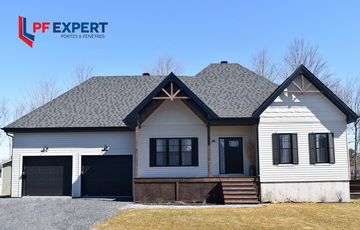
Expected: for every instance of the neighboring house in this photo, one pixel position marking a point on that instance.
(5, 178)
(224, 135)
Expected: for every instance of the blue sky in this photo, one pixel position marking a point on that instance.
(195, 33)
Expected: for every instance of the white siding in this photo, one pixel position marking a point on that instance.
(247, 133)
(172, 119)
(302, 114)
(72, 144)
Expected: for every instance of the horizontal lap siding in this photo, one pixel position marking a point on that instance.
(172, 120)
(68, 144)
(303, 114)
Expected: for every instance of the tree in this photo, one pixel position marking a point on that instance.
(81, 74)
(46, 90)
(165, 65)
(300, 53)
(4, 115)
(263, 66)
(352, 98)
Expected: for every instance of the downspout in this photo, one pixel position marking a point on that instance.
(10, 145)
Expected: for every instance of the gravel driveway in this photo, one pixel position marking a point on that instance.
(56, 213)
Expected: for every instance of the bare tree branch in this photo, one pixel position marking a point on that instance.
(263, 66)
(351, 95)
(165, 65)
(4, 116)
(81, 74)
(300, 53)
(46, 90)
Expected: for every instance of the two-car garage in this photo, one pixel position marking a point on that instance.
(100, 176)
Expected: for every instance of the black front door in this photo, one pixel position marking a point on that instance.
(231, 156)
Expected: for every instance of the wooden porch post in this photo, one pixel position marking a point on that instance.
(136, 151)
(209, 150)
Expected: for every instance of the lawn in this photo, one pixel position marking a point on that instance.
(272, 216)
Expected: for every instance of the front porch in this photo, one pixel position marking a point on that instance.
(219, 190)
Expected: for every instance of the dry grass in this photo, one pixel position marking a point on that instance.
(273, 216)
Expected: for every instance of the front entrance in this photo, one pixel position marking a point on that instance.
(231, 155)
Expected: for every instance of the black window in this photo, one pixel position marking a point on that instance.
(321, 147)
(285, 150)
(173, 152)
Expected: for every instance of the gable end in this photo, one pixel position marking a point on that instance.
(351, 116)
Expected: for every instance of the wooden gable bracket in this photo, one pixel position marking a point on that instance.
(302, 88)
(171, 95)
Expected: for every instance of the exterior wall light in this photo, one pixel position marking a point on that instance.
(45, 149)
(106, 148)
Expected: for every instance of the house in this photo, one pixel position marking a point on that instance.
(225, 135)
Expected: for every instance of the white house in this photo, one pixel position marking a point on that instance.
(225, 135)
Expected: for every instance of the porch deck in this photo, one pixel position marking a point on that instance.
(220, 190)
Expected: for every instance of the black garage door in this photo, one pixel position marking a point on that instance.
(47, 176)
(106, 176)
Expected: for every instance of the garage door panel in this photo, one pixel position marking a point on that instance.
(47, 176)
(106, 176)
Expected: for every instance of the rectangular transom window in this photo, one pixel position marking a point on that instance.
(173, 152)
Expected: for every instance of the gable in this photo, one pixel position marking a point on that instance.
(302, 81)
(173, 113)
(171, 88)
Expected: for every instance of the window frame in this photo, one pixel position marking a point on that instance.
(277, 149)
(291, 148)
(330, 149)
(194, 152)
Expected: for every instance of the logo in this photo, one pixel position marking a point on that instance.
(83, 30)
(23, 35)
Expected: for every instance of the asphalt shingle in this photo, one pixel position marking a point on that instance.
(230, 90)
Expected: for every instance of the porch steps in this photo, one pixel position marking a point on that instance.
(240, 191)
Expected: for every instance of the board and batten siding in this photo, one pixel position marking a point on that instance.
(173, 119)
(303, 114)
(75, 144)
(248, 135)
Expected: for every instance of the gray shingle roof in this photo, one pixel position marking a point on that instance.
(230, 90)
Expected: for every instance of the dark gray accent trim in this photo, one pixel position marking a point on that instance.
(331, 148)
(234, 121)
(294, 145)
(276, 151)
(312, 148)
